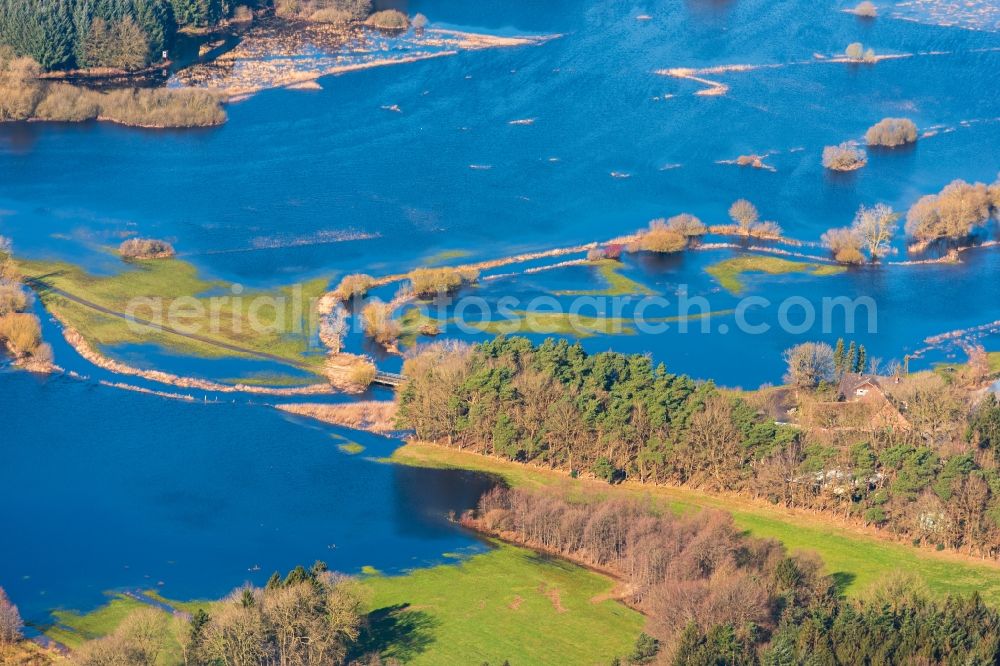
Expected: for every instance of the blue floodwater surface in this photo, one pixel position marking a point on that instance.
(105, 489)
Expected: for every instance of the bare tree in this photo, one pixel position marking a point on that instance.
(10, 620)
(875, 226)
(745, 215)
(809, 364)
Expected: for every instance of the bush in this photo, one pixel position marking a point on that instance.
(662, 239)
(595, 254)
(159, 107)
(380, 324)
(362, 374)
(434, 281)
(849, 255)
(419, 22)
(355, 285)
(145, 248)
(866, 9)
(687, 225)
(330, 15)
(12, 298)
(855, 51)
(891, 132)
(389, 19)
(953, 213)
(65, 103)
(845, 245)
(22, 332)
(243, 14)
(844, 157)
(20, 89)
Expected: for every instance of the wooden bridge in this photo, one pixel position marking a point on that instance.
(393, 379)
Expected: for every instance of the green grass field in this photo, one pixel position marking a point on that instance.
(508, 604)
(610, 271)
(208, 309)
(729, 272)
(854, 557)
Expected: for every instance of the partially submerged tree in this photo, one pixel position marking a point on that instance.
(845, 245)
(891, 132)
(145, 248)
(844, 157)
(866, 9)
(380, 324)
(687, 225)
(875, 227)
(661, 238)
(951, 214)
(354, 285)
(745, 215)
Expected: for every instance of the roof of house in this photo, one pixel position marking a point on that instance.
(852, 381)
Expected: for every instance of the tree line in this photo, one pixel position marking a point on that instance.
(713, 595)
(615, 416)
(123, 34)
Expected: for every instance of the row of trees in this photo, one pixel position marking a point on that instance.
(678, 232)
(309, 617)
(616, 416)
(712, 595)
(122, 34)
(955, 214)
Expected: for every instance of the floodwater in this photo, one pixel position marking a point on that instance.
(300, 184)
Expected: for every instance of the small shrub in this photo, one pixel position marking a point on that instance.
(331, 15)
(243, 14)
(12, 299)
(362, 374)
(845, 245)
(891, 132)
(20, 89)
(419, 22)
(766, 230)
(614, 250)
(388, 19)
(866, 9)
(595, 254)
(855, 51)
(355, 285)
(145, 248)
(66, 103)
(849, 255)
(844, 157)
(434, 281)
(379, 323)
(22, 331)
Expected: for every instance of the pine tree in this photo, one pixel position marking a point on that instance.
(851, 360)
(859, 365)
(838, 356)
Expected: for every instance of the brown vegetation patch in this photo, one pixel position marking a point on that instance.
(371, 415)
(516, 603)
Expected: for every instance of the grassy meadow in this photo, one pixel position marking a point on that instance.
(207, 309)
(730, 272)
(855, 557)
